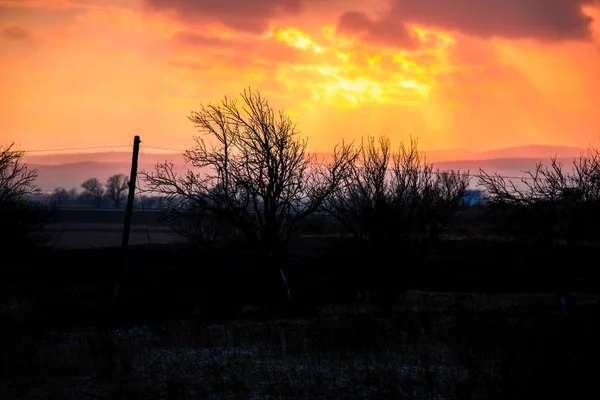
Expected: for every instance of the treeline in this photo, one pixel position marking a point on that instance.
(263, 183)
(95, 194)
(263, 187)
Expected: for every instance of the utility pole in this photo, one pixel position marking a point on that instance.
(131, 196)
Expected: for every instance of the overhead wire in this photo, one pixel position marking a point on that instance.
(74, 148)
(162, 148)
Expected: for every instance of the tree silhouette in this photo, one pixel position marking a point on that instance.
(553, 206)
(93, 189)
(16, 180)
(116, 186)
(255, 175)
(396, 197)
(549, 203)
(60, 194)
(394, 203)
(22, 222)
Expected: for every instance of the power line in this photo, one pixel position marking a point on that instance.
(75, 148)
(163, 148)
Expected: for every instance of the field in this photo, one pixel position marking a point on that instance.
(80, 229)
(479, 320)
(440, 346)
(89, 228)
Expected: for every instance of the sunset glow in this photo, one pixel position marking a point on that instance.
(76, 73)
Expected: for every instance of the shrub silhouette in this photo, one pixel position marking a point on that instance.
(551, 204)
(395, 204)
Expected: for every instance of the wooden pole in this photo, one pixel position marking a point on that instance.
(131, 196)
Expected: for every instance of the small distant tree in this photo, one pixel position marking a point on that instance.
(93, 189)
(116, 187)
(22, 222)
(254, 177)
(60, 195)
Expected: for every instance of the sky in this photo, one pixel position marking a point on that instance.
(467, 74)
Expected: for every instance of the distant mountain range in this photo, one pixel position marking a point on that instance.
(70, 170)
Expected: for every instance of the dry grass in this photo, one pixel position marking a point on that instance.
(440, 346)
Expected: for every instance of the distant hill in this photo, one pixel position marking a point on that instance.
(102, 157)
(509, 167)
(74, 174)
(539, 152)
(70, 170)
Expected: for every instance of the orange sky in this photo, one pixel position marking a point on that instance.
(455, 74)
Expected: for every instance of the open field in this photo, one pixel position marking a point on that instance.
(480, 319)
(439, 346)
(88, 235)
(85, 228)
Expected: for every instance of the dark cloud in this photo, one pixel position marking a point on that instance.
(246, 49)
(543, 19)
(39, 16)
(548, 20)
(386, 32)
(193, 39)
(245, 15)
(14, 32)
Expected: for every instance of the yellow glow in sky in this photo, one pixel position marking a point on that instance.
(78, 73)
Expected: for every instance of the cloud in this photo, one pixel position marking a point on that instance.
(14, 32)
(545, 20)
(384, 32)
(542, 19)
(243, 15)
(238, 51)
(192, 39)
(286, 48)
(40, 14)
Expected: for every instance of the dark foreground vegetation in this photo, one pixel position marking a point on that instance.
(195, 324)
(361, 276)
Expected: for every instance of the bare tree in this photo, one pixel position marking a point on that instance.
(116, 186)
(396, 196)
(255, 176)
(93, 189)
(16, 180)
(395, 203)
(554, 206)
(22, 221)
(549, 203)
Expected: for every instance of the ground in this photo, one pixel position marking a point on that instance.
(440, 346)
(80, 229)
(480, 321)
